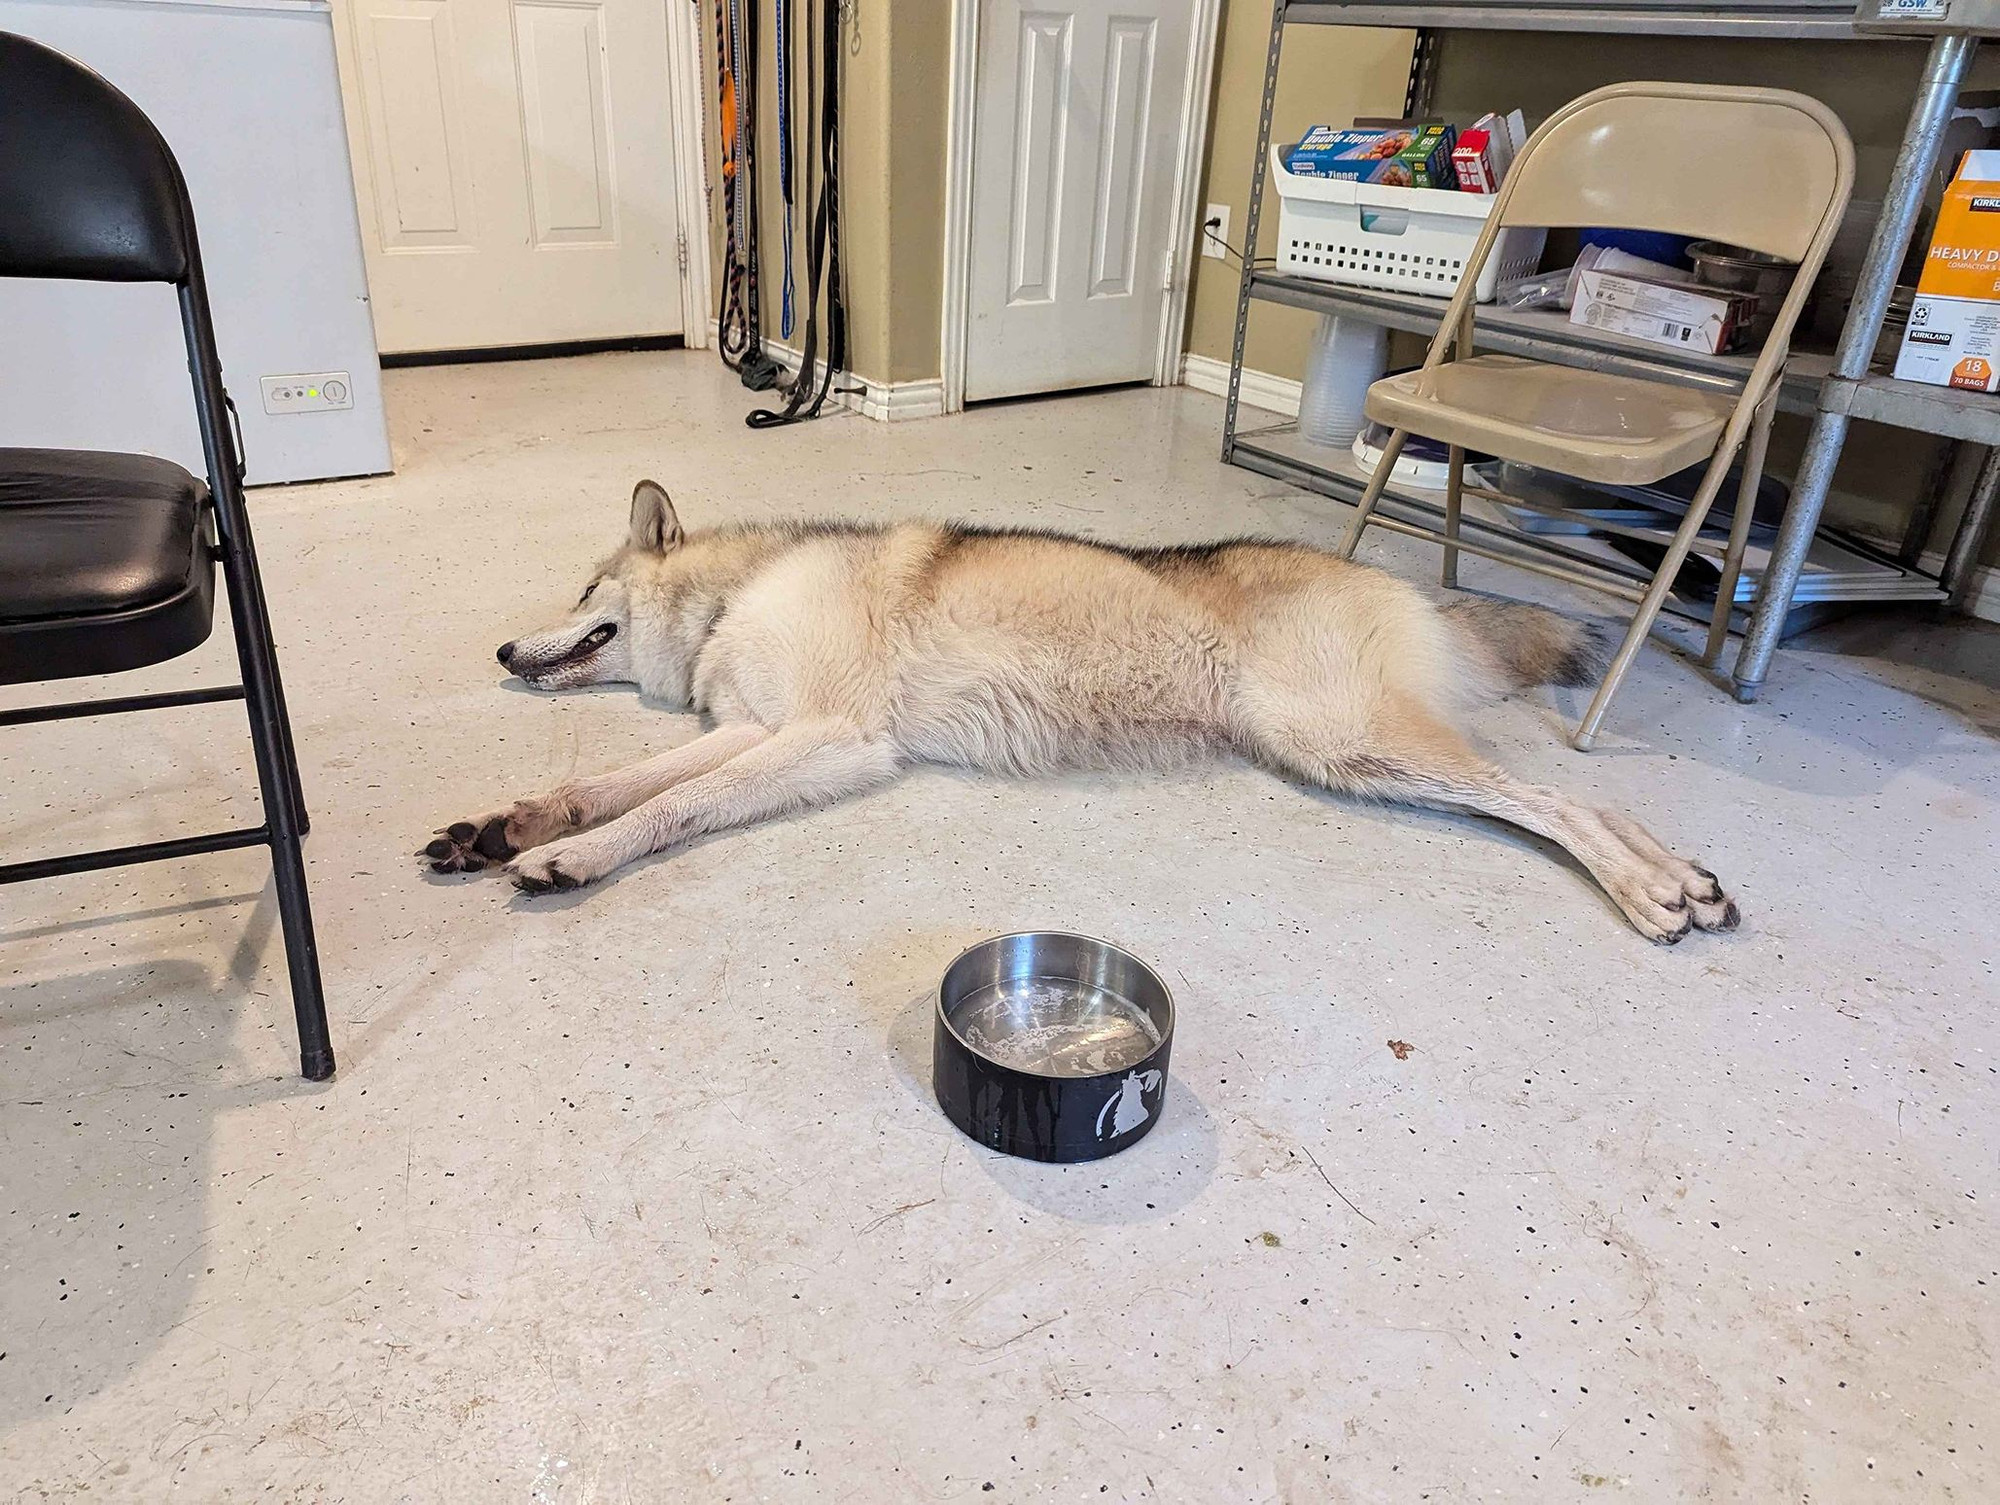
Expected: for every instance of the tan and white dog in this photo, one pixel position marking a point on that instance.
(831, 657)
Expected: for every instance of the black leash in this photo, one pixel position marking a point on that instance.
(785, 317)
(809, 390)
(739, 321)
(732, 324)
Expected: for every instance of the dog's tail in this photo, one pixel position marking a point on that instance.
(1510, 645)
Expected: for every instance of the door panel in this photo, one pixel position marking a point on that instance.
(1075, 137)
(1036, 213)
(423, 191)
(513, 160)
(1128, 97)
(559, 50)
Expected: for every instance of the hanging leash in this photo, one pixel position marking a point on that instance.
(731, 318)
(810, 387)
(740, 321)
(785, 314)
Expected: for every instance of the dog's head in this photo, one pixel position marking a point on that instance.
(593, 645)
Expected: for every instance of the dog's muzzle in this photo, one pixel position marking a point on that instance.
(510, 656)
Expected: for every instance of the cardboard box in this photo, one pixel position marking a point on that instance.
(1953, 337)
(1403, 157)
(1486, 150)
(1707, 319)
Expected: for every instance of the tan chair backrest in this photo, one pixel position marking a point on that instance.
(1762, 168)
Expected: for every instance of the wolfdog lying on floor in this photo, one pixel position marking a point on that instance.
(832, 656)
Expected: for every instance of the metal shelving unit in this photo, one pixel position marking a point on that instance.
(1804, 565)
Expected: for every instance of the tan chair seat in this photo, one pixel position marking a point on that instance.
(1582, 423)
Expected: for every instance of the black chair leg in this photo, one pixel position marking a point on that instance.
(278, 781)
(270, 729)
(301, 817)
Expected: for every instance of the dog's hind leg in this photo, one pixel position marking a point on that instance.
(1405, 753)
(798, 767)
(466, 846)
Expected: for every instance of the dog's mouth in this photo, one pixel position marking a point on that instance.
(581, 652)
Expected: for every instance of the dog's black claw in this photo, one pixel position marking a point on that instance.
(461, 831)
(1675, 937)
(438, 850)
(528, 885)
(563, 880)
(492, 841)
(1731, 917)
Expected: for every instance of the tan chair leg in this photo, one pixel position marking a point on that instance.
(1454, 488)
(1739, 531)
(1649, 608)
(1363, 509)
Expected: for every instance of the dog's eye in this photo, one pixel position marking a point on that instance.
(588, 591)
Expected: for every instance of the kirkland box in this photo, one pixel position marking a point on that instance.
(1953, 338)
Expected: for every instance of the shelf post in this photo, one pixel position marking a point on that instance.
(1251, 221)
(1944, 73)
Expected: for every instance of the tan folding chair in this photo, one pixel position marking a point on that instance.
(1762, 168)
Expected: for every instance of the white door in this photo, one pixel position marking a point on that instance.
(514, 163)
(1076, 131)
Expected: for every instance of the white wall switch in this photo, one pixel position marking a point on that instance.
(1215, 231)
(319, 392)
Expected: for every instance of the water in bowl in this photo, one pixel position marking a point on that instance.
(1055, 1026)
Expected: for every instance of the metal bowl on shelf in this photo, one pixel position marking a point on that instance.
(1743, 271)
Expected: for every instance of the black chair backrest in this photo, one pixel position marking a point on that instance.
(88, 188)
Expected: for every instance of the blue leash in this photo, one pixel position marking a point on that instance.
(785, 316)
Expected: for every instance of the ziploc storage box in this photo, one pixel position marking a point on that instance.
(1953, 338)
(1401, 157)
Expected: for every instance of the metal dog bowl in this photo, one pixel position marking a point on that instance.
(1052, 1046)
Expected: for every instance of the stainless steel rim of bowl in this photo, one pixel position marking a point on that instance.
(943, 1013)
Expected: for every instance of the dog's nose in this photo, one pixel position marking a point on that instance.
(505, 655)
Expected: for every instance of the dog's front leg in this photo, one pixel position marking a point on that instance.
(469, 845)
(807, 764)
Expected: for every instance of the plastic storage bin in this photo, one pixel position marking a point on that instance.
(1414, 240)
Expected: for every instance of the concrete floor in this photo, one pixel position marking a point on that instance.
(639, 1194)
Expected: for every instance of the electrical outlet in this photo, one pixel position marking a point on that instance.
(1215, 231)
(316, 392)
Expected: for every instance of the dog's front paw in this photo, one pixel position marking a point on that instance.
(562, 865)
(467, 846)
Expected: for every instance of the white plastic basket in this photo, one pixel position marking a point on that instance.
(1414, 240)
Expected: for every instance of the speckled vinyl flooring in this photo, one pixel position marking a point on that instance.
(638, 1194)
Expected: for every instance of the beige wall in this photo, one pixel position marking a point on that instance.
(891, 180)
(1330, 75)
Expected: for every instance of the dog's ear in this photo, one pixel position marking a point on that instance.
(654, 525)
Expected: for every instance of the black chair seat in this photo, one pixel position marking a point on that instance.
(106, 565)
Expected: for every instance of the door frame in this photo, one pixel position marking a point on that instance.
(685, 67)
(1183, 226)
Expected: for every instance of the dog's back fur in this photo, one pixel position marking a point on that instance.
(831, 656)
(1030, 651)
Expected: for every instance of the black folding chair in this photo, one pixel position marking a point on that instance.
(107, 561)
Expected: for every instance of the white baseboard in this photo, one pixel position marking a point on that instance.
(1983, 600)
(886, 402)
(1274, 394)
